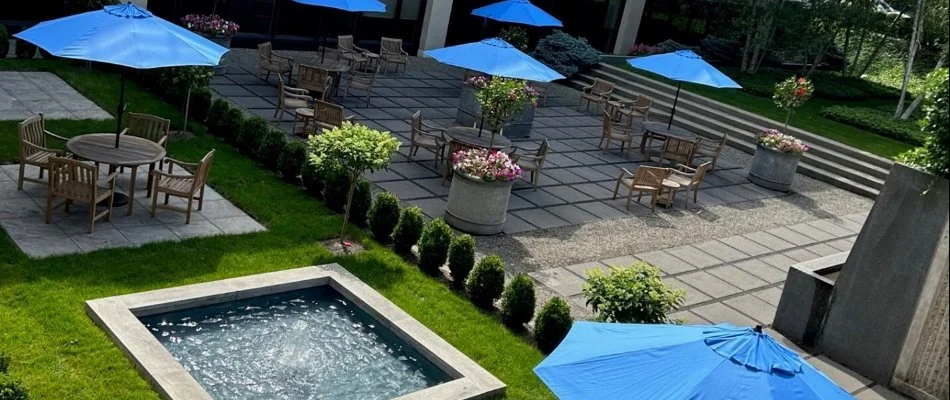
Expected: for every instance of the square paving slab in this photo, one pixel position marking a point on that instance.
(25, 94)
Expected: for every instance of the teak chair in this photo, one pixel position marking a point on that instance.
(270, 62)
(612, 133)
(325, 116)
(348, 51)
(639, 109)
(427, 137)
(710, 149)
(148, 127)
(531, 161)
(190, 187)
(290, 98)
(645, 180)
(689, 179)
(316, 80)
(362, 81)
(676, 151)
(34, 149)
(77, 181)
(598, 92)
(391, 52)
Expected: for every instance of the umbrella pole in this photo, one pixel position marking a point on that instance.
(675, 99)
(120, 110)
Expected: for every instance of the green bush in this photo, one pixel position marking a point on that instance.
(384, 216)
(4, 42)
(434, 246)
(272, 144)
(312, 179)
(633, 294)
(362, 202)
(408, 230)
(486, 282)
(216, 115)
(232, 124)
(251, 137)
(553, 322)
(670, 45)
(720, 51)
(517, 302)
(877, 121)
(291, 160)
(12, 389)
(515, 36)
(200, 105)
(461, 259)
(24, 49)
(566, 54)
(4, 362)
(336, 185)
(934, 155)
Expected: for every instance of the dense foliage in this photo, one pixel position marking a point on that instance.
(434, 246)
(828, 85)
(517, 302)
(362, 202)
(4, 41)
(216, 117)
(515, 36)
(632, 294)
(272, 144)
(312, 178)
(461, 259)
(291, 160)
(12, 388)
(231, 125)
(251, 137)
(383, 216)
(210, 25)
(553, 322)
(566, 54)
(486, 282)
(4, 362)
(877, 121)
(408, 230)
(24, 49)
(934, 156)
(335, 186)
(500, 98)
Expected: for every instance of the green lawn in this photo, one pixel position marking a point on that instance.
(807, 117)
(61, 354)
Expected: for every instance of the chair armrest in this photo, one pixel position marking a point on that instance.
(360, 49)
(439, 137)
(171, 162)
(349, 117)
(624, 172)
(110, 178)
(295, 90)
(124, 131)
(306, 97)
(55, 136)
(40, 148)
(170, 175)
(433, 127)
(162, 141)
(403, 52)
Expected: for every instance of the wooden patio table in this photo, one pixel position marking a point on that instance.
(132, 152)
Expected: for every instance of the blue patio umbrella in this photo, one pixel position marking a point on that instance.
(124, 35)
(519, 12)
(709, 362)
(495, 57)
(683, 66)
(354, 6)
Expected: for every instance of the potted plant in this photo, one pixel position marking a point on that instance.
(498, 103)
(791, 94)
(215, 29)
(481, 186)
(775, 160)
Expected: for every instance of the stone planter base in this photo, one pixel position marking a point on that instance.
(477, 207)
(772, 169)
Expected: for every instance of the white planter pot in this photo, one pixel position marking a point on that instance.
(477, 207)
(773, 169)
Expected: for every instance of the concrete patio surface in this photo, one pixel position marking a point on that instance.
(25, 94)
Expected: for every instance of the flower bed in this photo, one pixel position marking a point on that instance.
(210, 25)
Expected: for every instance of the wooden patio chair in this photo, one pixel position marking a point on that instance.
(646, 180)
(710, 149)
(77, 181)
(531, 160)
(689, 179)
(34, 149)
(362, 81)
(675, 151)
(327, 116)
(190, 187)
(613, 133)
(270, 62)
(318, 81)
(598, 92)
(543, 88)
(425, 136)
(290, 98)
(148, 127)
(639, 109)
(391, 52)
(350, 52)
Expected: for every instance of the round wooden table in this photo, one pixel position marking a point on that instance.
(132, 152)
(661, 131)
(670, 187)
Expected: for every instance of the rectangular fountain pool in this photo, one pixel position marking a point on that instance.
(308, 333)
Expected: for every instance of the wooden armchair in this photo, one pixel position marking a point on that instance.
(78, 181)
(428, 137)
(327, 116)
(613, 133)
(351, 53)
(317, 81)
(391, 52)
(675, 151)
(710, 149)
(151, 128)
(689, 179)
(190, 187)
(598, 92)
(531, 160)
(271, 62)
(362, 81)
(34, 149)
(640, 109)
(645, 180)
(290, 98)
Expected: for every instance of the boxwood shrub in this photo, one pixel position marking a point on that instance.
(461, 259)
(216, 115)
(362, 202)
(335, 186)
(272, 144)
(408, 230)
(486, 282)
(12, 388)
(384, 216)
(291, 160)
(252, 134)
(232, 124)
(24, 49)
(552, 324)
(876, 121)
(4, 42)
(200, 105)
(517, 302)
(312, 179)
(634, 294)
(434, 246)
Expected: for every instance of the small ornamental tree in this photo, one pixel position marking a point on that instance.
(634, 294)
(354, 149)
(515, 36)
(182, 81)
(500, 98)
(791, 94)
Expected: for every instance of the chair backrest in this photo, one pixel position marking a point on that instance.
(650, 176)
(264, 50)
(344, 43)
(390, 46)
(711, 146)
(601, 86)
(72, 179)
(204, 168)
(608, 123)
(642, 102)
(328, 113)
(415, 122)
(678, 150)
(313, 78)
(363, 80)
(700, 173)
(542, 153)
(33, 131)
(148, 127)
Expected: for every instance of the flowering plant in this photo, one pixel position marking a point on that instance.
(489, 166)
(791, 94)
(479, 81)
(500, 98)
(210, 25)
(643, 49)
(778, 141)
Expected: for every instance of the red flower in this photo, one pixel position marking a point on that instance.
(800, 80)
(800, 92)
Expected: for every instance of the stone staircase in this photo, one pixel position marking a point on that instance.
(828, 161)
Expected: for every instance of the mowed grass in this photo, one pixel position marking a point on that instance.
(61, 354)
(806, 117)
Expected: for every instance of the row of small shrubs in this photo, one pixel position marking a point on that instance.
(10, 387)
(876, 121)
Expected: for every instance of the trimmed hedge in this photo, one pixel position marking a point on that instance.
(24, 49)
(200, 104)
(876, 121)
(312, 179)
(12, 389)
(251, 137)
(486, 282)
(408, 230)
(272, 145)
(4, 42)
(335, 186)
(517, 302)
(434, 246)
(552, 324)
(384, 216)
(362, 202)
(461, 259)
(291, 160)
(216, 114)
(231, 125)
(828, 85)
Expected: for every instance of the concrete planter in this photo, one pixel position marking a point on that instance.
(477, 207)
(519, 126)
(773, 169)
(223, 41)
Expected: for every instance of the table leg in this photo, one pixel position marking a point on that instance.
(134, 169)
(148, 182)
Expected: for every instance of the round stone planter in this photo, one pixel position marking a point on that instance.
(773, 169)
(223, 41)
(477, 207)
(518, 126)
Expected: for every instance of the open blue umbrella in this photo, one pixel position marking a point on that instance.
(683, 66)
(519, 12)
(123, 35)
(495, 57)
(353, 6)
(709, 362)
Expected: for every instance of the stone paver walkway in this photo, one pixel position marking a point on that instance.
(23, 216)
(25, 94)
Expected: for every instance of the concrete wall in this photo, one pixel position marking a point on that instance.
(805, 298)
(875, 299)
(629, 26)
(140, 3)
(435, 24)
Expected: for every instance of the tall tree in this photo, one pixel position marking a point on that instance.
(913, 45)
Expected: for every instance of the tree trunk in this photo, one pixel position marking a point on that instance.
(911, 53)
(349, 202)
(750, 34)
(879, 46)
(184, 126)
(820, 56)
(920, 96)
